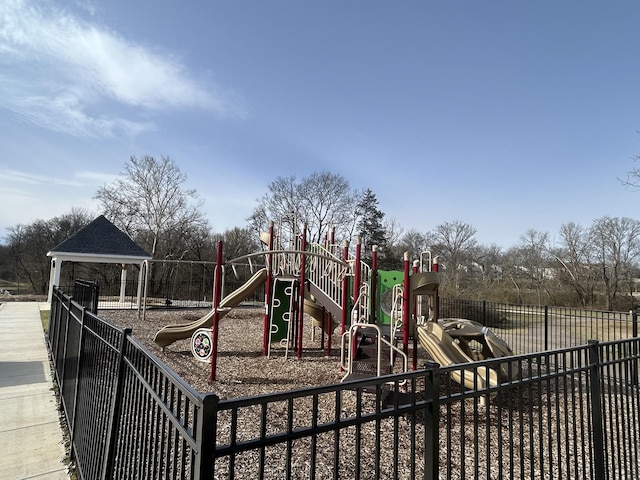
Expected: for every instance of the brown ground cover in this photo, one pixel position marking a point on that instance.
(242, 369)
(466, 426)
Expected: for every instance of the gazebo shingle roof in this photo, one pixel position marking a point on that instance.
(101, 237)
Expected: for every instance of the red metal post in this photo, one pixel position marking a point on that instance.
(406, 308)
(217, 293)
(345, 293)
(303, 261)
(356, 271)
(374, 284)
(332, 240)
(416, 263)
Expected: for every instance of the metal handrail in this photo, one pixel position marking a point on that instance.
(348, 366)
(397, 309)
(360, 313)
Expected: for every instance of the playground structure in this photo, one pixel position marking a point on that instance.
(383, 316)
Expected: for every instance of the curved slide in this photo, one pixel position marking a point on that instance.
(445, 350)
(318, 313)
(171, 333)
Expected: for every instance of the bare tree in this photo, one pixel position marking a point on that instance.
(322, 200)
(487, 259)
(394, 235)
(633, 177)
(530, 261)
(150, 203)
(29, 245)
(577, 262)
(238, 242)
(453, 242)
(412, 241)
(617, 243)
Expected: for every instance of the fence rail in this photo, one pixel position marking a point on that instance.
(565, 413)
(128, 414)
(167, 294)
(530, 328)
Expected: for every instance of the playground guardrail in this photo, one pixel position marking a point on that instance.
(326, 271)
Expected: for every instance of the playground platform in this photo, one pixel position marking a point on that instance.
(32, 442)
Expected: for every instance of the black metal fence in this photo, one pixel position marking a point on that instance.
(529, 328)
(568, 413)
(129, 416)
(168, 294)
(87, 294)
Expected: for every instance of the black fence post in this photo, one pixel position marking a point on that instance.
(53, 324)
(95, 292)
(484, 312)
(206, 437)
(634, 348)
(67, 310)
(432, 421)
(54, 333)
(114, 414)
(72, 415)
(596, 410)
(546, 328)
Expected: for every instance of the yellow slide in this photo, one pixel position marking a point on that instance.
(444, 350)
(171, 333)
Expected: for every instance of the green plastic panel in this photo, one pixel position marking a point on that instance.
(386, 282)
(281, 314)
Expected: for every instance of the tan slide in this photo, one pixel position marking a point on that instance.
(171, 333)
(315, 311)
(444, 350)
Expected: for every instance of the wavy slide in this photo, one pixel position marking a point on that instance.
(444, 349)
(171, 333)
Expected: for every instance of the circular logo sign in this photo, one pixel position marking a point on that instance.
(202, 344)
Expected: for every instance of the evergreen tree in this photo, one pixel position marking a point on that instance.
(370, 227)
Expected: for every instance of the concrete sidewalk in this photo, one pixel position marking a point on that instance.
(31, 444)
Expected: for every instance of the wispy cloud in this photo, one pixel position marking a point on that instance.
(17, 177)
(65, 73)
(83, 178)
(96, 177)
(67, 114)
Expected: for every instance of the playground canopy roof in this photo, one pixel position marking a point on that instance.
(99, 242)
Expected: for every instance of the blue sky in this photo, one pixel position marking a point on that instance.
(506, 115)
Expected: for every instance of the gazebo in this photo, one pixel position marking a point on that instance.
(99, 242)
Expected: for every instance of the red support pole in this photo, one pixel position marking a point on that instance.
(303, 261)
(374, 284)
(345, 293)
(332, 241)
(436, 299)
(267, 295)
(406, 308)
(356, 272)
(414, 318)
(217, 293)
